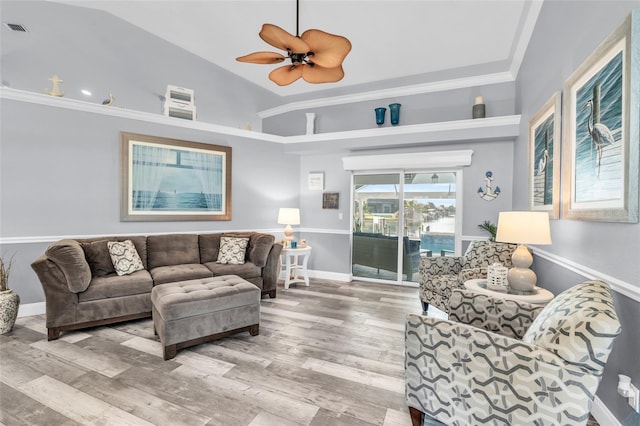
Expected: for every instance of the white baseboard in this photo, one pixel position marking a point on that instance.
(29, 309)
(602, 414)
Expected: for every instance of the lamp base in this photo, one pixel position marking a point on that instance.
(522, 279)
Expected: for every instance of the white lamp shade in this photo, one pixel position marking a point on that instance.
(524, 228)
(288, 216)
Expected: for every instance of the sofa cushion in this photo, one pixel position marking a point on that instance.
(174, 273)
(232, 250)
(113, 285)
(97, 255)
(578, 325)
(175, 249)
(245, 271)
(259, 248)
(69, 257)
(125, 257)
(209, 247)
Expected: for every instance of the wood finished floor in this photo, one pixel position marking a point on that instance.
(328, 354)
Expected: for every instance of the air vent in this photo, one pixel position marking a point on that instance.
(16, 27)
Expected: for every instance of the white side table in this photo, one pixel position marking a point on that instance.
(539, 296)
(296, 272)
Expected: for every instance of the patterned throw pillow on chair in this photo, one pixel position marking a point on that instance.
(125, 257)
(232, 250)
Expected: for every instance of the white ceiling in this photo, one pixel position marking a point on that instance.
(391, 39)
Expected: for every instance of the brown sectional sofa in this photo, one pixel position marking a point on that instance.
(82, 289)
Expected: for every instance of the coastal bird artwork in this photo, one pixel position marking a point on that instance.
(600, 134)
(109, 100)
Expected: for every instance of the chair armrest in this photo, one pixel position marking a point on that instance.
(442, 265)
(505, 317)
(459, 374)
(472, 274)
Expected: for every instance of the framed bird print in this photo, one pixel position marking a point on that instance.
(544, 158)
(602, 130)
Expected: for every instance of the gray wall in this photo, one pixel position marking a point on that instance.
(334, 254)
(60, 169)
(565, 34)
(60, 174)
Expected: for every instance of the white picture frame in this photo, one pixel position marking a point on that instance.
(316, 181)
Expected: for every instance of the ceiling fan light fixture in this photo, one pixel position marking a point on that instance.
(316, 56)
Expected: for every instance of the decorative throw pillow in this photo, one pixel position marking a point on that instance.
(125, 257)
(232, 250)
(97, 254)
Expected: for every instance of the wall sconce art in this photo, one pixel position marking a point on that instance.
(488, 193)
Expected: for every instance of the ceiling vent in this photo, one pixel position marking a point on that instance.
(16, 27)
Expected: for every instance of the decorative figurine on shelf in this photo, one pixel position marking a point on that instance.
(55, 90)
(478, 110)
(303, 243)
(488, 193)
(109, 100)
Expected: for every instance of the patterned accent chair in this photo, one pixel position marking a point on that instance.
(507, 362)
(440, 275)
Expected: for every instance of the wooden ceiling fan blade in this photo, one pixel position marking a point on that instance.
(318, 74)
(283, 76)
(329, 49)
(262, 58)
(277, 37)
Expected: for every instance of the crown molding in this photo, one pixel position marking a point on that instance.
(415, 89)
(525, 36)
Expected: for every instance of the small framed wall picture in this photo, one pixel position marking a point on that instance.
(316, 181)
(331, 200)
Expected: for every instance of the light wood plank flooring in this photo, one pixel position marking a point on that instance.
(328, 354)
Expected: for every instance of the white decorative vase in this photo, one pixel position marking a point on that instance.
(311, 123)
(9, 303)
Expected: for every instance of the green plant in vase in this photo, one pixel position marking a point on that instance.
(9, 301)
(490, 228)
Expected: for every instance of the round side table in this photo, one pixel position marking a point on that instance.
(539, 296)
(295, 265)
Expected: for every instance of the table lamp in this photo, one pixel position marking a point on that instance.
(288, 217)
(523, 228)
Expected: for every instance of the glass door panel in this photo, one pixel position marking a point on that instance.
(375, 226)
(430, 212)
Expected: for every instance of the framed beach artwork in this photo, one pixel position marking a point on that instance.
(168, 179)
(544, 158)
(602, 131)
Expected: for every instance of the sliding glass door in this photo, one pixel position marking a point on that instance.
(399, 218)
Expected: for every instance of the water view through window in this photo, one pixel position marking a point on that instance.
(426, 222)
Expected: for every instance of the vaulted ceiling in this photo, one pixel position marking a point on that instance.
(392, 41)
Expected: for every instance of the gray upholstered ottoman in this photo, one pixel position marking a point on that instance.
(188, 313)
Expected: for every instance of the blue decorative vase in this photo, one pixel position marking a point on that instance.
(395, 113)
(380, 115)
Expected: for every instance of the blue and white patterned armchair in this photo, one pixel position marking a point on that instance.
(440, 275)
(507, 362)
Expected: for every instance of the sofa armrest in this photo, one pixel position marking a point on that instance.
(271, 270)
(505, 317)
(457, 373)
(61, 303)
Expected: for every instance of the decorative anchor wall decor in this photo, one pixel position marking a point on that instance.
(488, 193)
(55, 80)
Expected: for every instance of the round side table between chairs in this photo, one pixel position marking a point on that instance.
(539, 296)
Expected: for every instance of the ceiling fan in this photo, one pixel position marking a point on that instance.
(316, 56)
